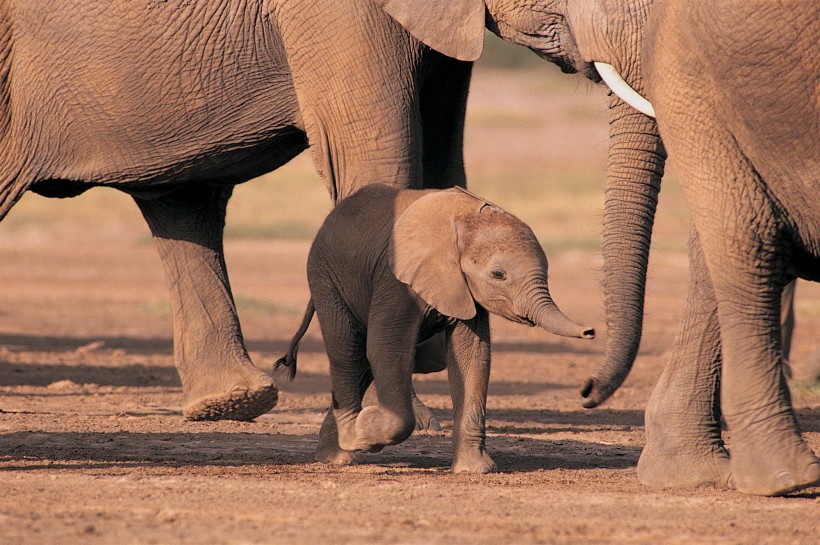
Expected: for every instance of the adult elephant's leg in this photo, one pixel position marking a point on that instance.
(443, 106)
(684, 447)
(359, 103)
(769, 456)
(218, 379)
(746, 250)
(787, 321)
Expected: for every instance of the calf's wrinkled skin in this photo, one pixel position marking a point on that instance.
(390, 268)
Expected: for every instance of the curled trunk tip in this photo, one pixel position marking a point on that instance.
(597, 390)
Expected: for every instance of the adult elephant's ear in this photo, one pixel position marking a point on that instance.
(424, 252)
(452, 27)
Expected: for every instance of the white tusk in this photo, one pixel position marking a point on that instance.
(624, 91)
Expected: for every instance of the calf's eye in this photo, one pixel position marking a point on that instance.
(498, 274)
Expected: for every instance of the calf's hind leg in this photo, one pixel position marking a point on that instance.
(391, 340)
(349, 374)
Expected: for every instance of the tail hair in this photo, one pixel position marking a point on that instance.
(289, 359)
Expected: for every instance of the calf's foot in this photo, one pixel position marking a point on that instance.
(425, 419)
(373, 428)
(328, 450)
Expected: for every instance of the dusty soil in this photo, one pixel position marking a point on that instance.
(94, 449)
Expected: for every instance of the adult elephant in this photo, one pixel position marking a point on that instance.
(175, 102)
(734, 85)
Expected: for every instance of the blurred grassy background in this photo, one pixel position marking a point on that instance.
(536, 143)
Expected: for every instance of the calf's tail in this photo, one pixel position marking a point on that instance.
(289, 359)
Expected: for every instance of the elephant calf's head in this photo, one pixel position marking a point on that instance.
(455, 250)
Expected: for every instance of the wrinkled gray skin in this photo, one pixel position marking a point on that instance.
(733, 85)
(137, 96)
(176, 101)
(390, 268)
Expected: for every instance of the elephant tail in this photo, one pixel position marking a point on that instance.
(289, 359)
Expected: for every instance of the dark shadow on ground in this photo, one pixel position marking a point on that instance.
(43, 374)
(139, 375)
(45, 343)
(546, 347)
(146, 449)
(809, 419)
(94, 450)
(511, 454)
(579, 420)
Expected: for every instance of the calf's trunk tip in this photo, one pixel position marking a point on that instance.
(550, 318)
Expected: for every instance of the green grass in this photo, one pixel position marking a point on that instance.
(290, 203)
(102, 207)
(246, 304)
(502, 118)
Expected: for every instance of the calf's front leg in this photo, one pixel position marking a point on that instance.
(468, 369)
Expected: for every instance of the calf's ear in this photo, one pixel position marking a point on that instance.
(424, 251)
(452, 27)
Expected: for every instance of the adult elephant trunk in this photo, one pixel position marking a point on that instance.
(549, 317)
(636, 163)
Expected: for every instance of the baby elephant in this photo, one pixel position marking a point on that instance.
(390, 268)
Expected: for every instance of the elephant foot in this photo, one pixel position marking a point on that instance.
(246, 400)
(333, 455)
(473, 461)
(684, 444)
(328, 450)
(679, 468)
(425, 419)
(772, 465)
(374, 428)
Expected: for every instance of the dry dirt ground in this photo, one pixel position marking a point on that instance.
(93, 447)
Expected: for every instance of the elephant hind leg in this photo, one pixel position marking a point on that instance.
(328, 450)
(393, 326)
(219, 381)
(684, 447)
(350, 374)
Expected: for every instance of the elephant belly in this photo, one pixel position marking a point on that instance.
(140, 93)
